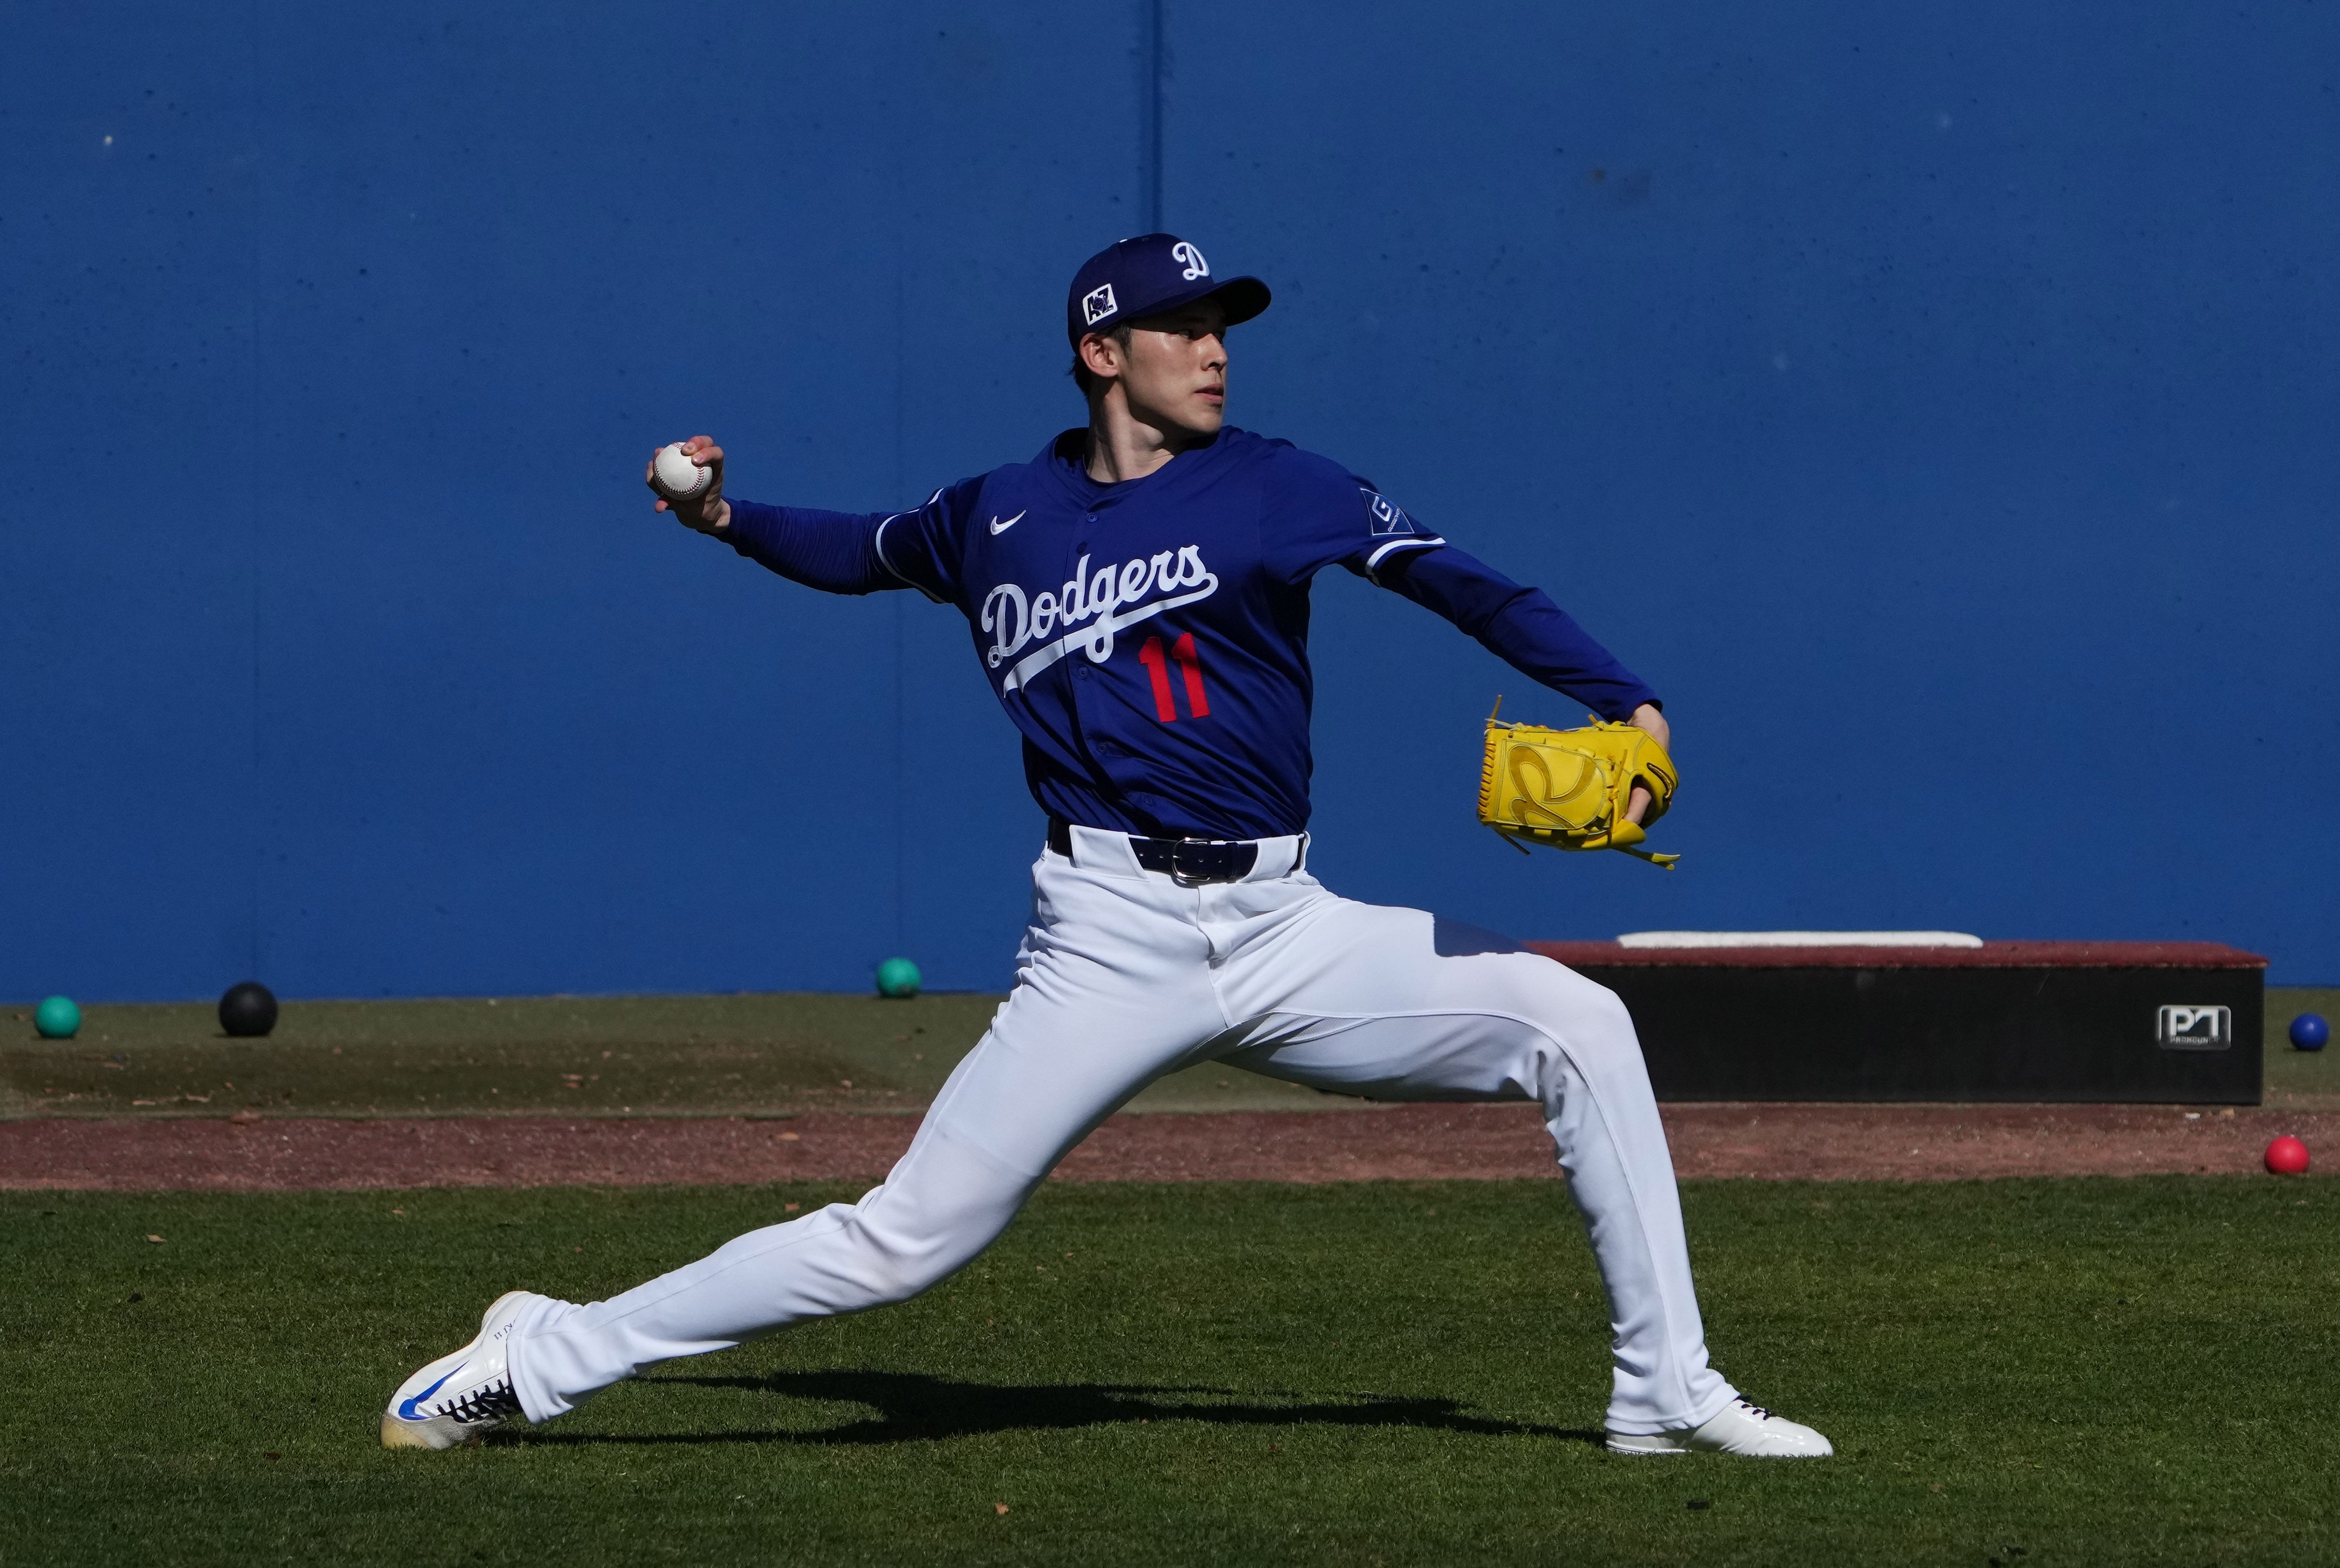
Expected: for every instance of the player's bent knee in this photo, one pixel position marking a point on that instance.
(1556, 991)
(1585, 1016)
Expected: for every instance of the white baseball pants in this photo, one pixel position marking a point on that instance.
(1125, 976)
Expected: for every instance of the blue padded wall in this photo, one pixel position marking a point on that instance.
(1936, 408)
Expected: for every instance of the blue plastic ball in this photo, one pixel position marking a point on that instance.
(58, 1019)
(898, 979)
(2309, 1031)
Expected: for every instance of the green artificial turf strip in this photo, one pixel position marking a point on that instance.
(773, 1054)
(2098, 1371)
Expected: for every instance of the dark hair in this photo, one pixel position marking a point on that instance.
(1083, 377)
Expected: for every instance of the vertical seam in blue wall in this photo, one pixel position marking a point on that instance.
(256, 798)
(901, 849)
(1149, 113)
(899, 487)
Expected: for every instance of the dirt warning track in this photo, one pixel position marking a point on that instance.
(1814, 1142)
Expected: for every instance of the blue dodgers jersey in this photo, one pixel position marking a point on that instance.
(1149, 638)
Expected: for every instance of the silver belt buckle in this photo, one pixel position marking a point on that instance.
(1181, 877)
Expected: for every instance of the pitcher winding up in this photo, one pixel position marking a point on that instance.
(1138, 595)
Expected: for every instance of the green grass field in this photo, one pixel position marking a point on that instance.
(2034, 1373)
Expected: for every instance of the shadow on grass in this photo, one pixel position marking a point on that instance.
(915, 1407)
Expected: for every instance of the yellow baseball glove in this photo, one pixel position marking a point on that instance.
(1569, 787)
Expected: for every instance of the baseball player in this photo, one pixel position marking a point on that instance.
(1138, 594)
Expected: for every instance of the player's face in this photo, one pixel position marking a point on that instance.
(1175, 374)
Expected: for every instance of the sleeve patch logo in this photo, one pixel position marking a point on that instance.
(1386, 516)
(1098, 305)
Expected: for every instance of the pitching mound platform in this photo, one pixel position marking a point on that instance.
(2173, 1023)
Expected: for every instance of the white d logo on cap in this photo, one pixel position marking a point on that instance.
(1196, 266)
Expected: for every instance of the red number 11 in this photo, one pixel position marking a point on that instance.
(1189, 665)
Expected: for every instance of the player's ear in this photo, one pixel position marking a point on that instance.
(1101, 354)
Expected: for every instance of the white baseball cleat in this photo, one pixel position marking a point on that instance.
(1741, 1428)
(459, 1399)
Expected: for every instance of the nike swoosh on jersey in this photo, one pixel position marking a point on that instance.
(411, 1409)
(999, 527)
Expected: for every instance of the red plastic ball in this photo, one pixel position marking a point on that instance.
(2288, 1156)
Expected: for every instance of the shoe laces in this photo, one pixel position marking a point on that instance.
(494, 1402)
(1755, 1410)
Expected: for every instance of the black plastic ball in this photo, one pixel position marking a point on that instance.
(248, 1009)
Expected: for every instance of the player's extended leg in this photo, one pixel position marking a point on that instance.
(1394, 1005)
(1113, 990)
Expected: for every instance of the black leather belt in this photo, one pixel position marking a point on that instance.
(1189, 862)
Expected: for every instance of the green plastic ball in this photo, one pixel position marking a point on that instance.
(897, 978)
(58, 1019)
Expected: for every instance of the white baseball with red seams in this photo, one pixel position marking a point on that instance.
(1126, 974)
(678, 478)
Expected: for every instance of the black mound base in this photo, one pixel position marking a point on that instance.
(2155, 1022)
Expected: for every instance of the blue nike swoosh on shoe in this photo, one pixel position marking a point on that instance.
(407, 1410)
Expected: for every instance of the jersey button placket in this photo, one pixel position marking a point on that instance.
(1080, 551)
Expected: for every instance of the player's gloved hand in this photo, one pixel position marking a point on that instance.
(1577, 789)
(707, 511)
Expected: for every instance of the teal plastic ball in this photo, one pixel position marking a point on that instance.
(897, 978)
(58, 1019)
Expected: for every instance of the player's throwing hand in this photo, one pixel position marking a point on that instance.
(705, 509)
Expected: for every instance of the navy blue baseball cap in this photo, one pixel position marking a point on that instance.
(1149, 275)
